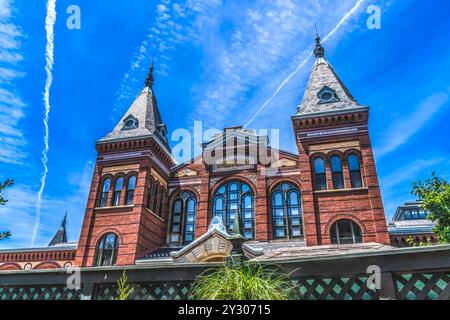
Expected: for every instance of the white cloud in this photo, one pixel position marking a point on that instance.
(12, 141)
(17, 216)
(404, 128)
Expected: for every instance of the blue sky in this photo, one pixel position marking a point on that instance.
(216, 61)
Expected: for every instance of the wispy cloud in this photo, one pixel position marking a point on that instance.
(267, 42)
(404, 128)
(12, 141)
(17, 216)
(176, 23)
(50, 20)
(300, 66)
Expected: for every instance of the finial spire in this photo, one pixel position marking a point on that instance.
(319, 51)
(150, 79)
(64, 222)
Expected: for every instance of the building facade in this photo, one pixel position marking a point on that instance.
(141, 203)
(410, 226)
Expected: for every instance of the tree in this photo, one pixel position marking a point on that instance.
(435, 193)
(8, 183)
(3, 201)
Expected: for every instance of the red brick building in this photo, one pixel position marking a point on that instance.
(142, 202)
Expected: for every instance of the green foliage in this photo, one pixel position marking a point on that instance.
(124, 288)
(5, 235)
(410, 241)
(435, 192)
(3, 201)
(244, 281)
(8, 183)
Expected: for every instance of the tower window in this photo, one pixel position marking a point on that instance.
(319, 174)
(336, 172)
(117, 191)
(130, 190)
(345, 232)
(106, 251)
(327, 95)
(355, 171)
(130, 123)
(105, 191)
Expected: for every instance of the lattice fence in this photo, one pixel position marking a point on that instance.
(38, 293)
(423, 286)
(338, 288)
(147, 291)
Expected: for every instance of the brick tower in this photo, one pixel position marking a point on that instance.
(126, 209)
(340, 191)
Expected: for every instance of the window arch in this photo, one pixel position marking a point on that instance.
(319, 174)
(354, 169)
(105, 190)
(130, 190)
(117, 190)
(106, 251)
(184, 216)
(336, 172)
(286, 212)
(232, 198)
(345, 231)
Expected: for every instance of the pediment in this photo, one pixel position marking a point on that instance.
(186, 172)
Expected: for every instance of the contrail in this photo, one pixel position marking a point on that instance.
(289, 77)
(50, 20)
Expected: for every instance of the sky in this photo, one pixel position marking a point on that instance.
(216, 61)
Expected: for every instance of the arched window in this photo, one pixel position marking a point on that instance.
(130, 189)
(184, 216)
(232, 198)
(105, 189)
(336, 172)
(106, 251)
(355, 170)
(117, 191)
(345, 232)
(286, 212)
(319, 174)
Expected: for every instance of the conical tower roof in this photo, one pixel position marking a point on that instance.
(142, 119)
(61, 235)
(325, 92)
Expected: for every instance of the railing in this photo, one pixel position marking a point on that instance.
(406, 274)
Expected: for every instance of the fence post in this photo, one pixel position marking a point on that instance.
(387, 290)
(88, 291)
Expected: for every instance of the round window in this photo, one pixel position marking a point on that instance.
(129, 123)
(326, 96)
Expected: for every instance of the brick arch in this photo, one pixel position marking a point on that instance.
(317, 154)
(331, 221)
(224, 180)
(10, 266)
(335, 153)
(279, 181)
(48, 265)
(106, 231)
(352, 150)
(178, 191)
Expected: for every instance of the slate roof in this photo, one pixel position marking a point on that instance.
(323, 75)
(61, 235)
(149, 123)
